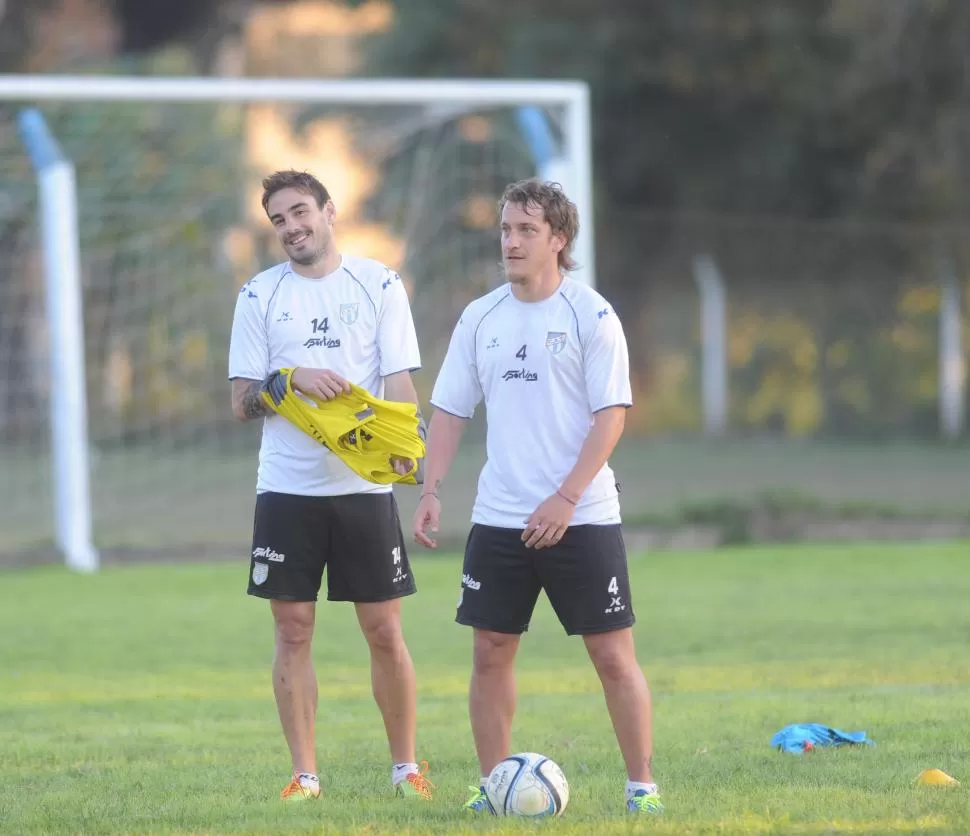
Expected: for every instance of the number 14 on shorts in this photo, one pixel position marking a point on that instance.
(616, 601)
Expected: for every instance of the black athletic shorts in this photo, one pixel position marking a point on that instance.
(357, 537)
(584, 576)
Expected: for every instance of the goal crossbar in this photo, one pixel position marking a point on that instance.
(350, 90)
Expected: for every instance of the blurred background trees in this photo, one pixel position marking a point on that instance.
(817, 151)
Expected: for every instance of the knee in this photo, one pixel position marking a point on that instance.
(384, 635)
(493, 651)
(293, 632)
(612, 661)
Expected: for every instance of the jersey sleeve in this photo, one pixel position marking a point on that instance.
(248, 345)
(397, 341)
(607, 364)
(458, 389)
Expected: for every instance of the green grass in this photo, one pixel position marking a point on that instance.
(138, 700)
(156, 502)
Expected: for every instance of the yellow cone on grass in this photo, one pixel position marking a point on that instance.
(936, 778)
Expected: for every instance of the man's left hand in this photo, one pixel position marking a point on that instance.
(401, 465)
(548, 523)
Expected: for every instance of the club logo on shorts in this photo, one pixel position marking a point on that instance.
(260, 572)
(555, 341)
(348, 312)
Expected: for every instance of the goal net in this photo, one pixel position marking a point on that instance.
(170, 226)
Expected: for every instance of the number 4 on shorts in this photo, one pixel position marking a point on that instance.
(613, 588)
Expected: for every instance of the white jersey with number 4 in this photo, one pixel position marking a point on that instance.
(543, 370)
(356, 322)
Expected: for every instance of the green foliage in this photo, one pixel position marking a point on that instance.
(839, 111)
(812, 109)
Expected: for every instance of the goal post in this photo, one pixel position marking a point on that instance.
(115, 470)
(57, 201)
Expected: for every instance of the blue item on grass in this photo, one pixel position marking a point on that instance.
(794, 738)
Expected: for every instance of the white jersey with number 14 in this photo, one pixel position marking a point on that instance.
(543, 370)
(356, 322)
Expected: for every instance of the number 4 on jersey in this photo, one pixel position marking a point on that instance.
(520, 353)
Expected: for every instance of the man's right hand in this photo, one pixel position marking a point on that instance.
(319, 383)
(427, 517)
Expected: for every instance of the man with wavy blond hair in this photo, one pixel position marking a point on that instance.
(548, 356)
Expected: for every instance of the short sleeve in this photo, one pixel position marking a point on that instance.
(397, 340)
(248, 345)
(607, 364)
(458, 389)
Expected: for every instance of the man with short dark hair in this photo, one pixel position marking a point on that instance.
(335, 320)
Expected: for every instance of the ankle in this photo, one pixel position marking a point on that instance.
(400, 771)
(633, 787)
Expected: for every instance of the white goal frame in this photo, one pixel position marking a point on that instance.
(57, 191)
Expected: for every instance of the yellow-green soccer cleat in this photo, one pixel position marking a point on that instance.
(301, 788)
(416, 785)
(642, 802)
(479, 802)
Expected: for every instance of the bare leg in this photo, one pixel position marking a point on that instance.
(392, 675)
(491, 696)
(294, 681)
(627, 699)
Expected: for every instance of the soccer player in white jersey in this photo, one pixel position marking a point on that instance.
(335, 319)
(549, 357)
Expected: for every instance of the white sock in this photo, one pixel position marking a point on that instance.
(483, 781)
(400, 771)
(308, 777)
(633, 787)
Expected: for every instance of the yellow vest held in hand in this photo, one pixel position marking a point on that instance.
(361, 430)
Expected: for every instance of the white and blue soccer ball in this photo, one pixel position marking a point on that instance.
(529, 785)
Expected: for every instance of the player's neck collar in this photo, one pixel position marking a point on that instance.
(530, 301)
(336, 268)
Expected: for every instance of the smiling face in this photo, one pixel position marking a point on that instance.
(304, 228)
(529, 246)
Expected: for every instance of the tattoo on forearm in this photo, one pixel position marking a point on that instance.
(252, 402)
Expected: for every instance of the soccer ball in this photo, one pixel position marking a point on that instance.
(528, 785)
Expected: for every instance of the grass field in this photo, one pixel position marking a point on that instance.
(159, 503)
(138, 700)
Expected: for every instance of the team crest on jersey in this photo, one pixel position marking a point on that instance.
(348, 312)
(260, 572)
(555, 341)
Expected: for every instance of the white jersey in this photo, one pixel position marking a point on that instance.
(356, 322)
(543, 369)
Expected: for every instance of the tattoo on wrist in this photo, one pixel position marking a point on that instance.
(252, 401)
